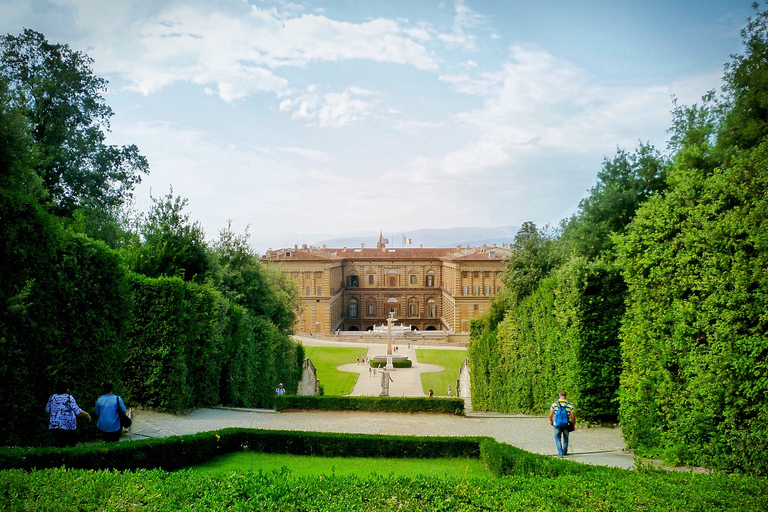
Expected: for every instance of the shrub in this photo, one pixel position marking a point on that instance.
(366, 403)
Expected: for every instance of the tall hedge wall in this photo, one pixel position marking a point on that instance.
(190, 347)
(63, 320)
(563, 336)
(695, 339)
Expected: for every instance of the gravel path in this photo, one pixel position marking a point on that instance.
(601, 446)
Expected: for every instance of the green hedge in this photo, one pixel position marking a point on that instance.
(396, 364)
(563, 336)
(171, 453)
(368, 403)
(63, 306)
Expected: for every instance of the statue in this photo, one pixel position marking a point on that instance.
(385, 380)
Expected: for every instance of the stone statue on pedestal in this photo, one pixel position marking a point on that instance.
(385, 380)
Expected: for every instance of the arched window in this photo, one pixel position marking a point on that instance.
(352, 280)
(431, 308)
(352, 310)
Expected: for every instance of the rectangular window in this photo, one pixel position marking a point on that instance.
(477, 290)
(370, 278)
(487, 290)
(464, 290)
(413, 278)
(319, 290)
(318, 275)
(498, 289)
(430, 281)
(306, 290)
(412, 309)
(306, 275)
(371, 308)
(432, 310)
(392, 281)
(474, 306)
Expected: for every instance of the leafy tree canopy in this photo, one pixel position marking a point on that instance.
(168, 243)
(533, 258)
(623, 184)
(53, 87)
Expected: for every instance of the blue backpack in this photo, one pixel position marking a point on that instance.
(561, 415)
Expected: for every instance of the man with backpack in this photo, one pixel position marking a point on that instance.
(563, 419)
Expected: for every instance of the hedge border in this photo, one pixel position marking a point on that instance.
(172, 453)
(370, 403)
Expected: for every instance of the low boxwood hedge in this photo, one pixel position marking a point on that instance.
(370, 403)
(171, 453)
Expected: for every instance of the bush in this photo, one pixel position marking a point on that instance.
(173, 453)
(367, 403)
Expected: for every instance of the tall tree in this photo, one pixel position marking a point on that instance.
(169, 244)
(532, 259)
(623, 184)
(55, 89)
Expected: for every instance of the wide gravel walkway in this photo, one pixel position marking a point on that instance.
(601, 446)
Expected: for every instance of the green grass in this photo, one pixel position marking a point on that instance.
(303, 465)
(451, 360)
(326, 359)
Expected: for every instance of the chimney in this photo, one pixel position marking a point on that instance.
(323, 246)
(304, 246)
(295, 246)
(421, 246)
(344, 250)
(362, 246)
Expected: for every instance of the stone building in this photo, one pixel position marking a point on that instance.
(354, 289)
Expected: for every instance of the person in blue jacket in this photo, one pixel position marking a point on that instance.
(106, 410)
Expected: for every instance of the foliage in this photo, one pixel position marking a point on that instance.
(623, 184)
(53, 87)
(170, 244)
(694, 338)
(438, 382)
(172, 453)
(590, 488)
(62, 319)
(533, 258)
(265, 291)
(370, 403)
(563, 336)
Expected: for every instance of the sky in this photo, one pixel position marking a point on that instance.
(305, 119)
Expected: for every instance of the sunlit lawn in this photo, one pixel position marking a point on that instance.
(326, 359)
(451, 360)
(303, 465)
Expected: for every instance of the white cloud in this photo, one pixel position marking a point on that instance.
(331, 109)
(236, 54)
(310, 154)
(464, 19)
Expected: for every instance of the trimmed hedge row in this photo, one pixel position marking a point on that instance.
(172, 453)
(563, 336)
(369, 403)
(396, 364)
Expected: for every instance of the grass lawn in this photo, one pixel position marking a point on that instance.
(326, 359)
(303, 465)
(451, 360)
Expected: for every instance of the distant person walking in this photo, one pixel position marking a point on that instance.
(280, 390)
(450, 391)
(563, 419)
(63, 410)
(109, 419)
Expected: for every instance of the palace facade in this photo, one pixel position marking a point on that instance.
(354, 289)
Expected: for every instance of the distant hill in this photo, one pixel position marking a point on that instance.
(446, 237)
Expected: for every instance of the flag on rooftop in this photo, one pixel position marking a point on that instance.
(407, 240)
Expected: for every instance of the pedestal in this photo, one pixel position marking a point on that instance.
(389, 365)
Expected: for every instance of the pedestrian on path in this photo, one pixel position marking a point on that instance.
(63, 409)
(450, 391)
(561, 414)
(280, 390)
(107, 406)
